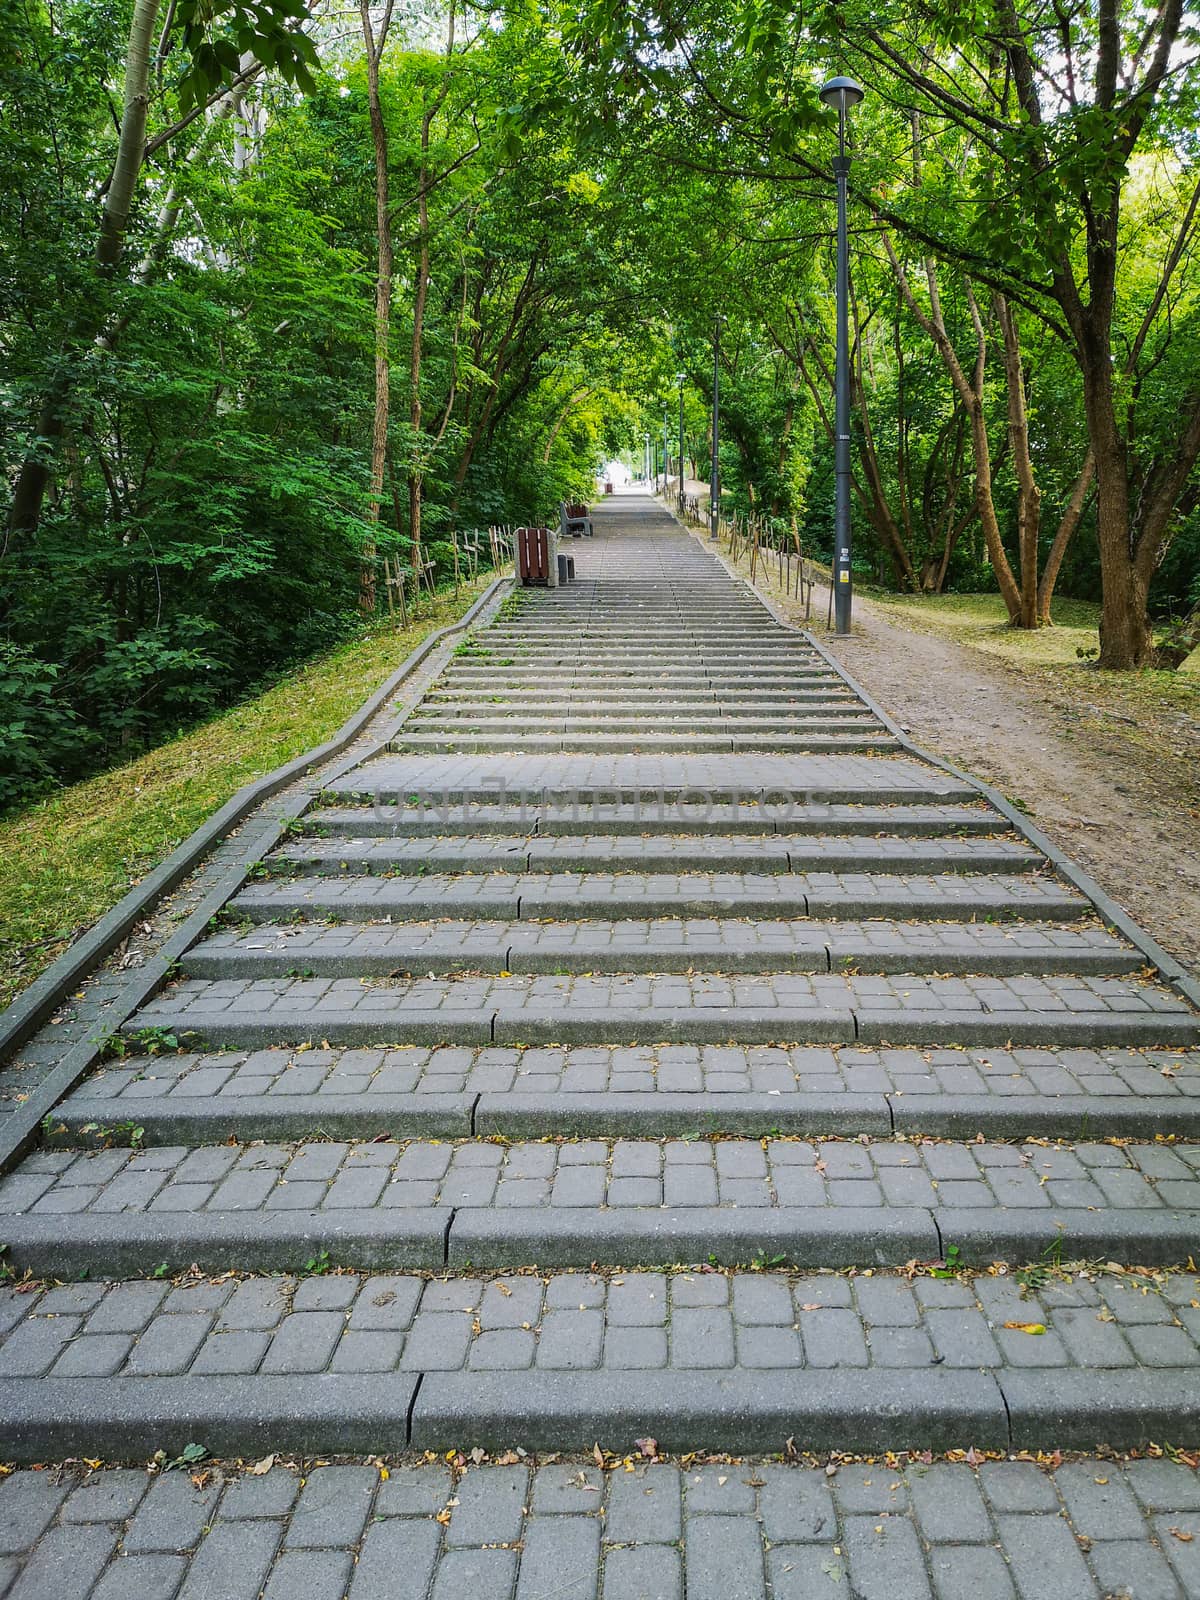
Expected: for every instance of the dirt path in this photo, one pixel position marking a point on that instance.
(1121, 796)
(1112, 778)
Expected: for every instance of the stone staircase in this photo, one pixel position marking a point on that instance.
(643, 1043)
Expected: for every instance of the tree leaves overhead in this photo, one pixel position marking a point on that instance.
(222, 37)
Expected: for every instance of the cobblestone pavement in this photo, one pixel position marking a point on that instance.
(138, 1085)
(633, 1039)
(1002, 1530)
(613, 1174)
(685, 1320)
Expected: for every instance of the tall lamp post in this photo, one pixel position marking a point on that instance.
(646, 458)
(666, 451)
(714, 476)
(841, 94)
(680, 378)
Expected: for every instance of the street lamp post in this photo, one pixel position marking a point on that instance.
(666, 451)
(646, 458)
(841, 94)
(680, 376)
(714, 476)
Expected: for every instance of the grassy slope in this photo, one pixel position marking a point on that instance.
(65, 861)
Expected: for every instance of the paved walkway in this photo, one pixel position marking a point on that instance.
(573, 1532)
(641, 1043)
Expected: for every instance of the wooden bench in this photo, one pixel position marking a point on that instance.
(573, 520)
(537, 557)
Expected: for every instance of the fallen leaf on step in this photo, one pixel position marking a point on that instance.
(1026, 1327)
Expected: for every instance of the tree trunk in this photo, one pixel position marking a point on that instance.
(30, 489)
(416, 471)
(383, 301)
(1125, 640)
(971, 391)
(1066, 530)
(1029, 496)
(1179, 643)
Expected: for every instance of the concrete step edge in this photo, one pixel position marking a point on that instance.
(208, 1119)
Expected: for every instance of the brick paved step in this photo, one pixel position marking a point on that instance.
(576, 664)
(649, 739)
(714, 779)
(581, 853)
(786, 821)
(712, 635)
(1098, 1526)
(491, 718)
(231, 1027)
(641, 1092)
(702, 1360)
(374, 949)
(689, 1007)
(955, 896)
(649, 658)
(582, 674)
(561, 1202)
(744, 702)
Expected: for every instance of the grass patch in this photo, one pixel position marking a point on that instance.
(69, 858)
(981, 621)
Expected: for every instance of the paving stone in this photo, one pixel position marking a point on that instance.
(1099, 1504)
(970, 1570)
(724, 1559)
(885, 1556)
(232, 1561)
(1134, 1568)
(29, 1502)
(1044, 1554)
(483, 1572)
(413, 1491)
(645, 1506)
(1159, 1485)
(1017, 1486)
(567, 1490)
(489, 1509)
(798, 1571)
(652, 1572)
(333, 1507)
(406, 1545)
(172, 1516)
(796, 1505)
(141, 1578)
(1179, 1550)
(315, 1574)
(111, 1496)
(948, 1505)
(555, 1547)
(270, 1495)
(66, 1563)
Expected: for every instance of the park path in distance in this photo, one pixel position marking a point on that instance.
(646, 957)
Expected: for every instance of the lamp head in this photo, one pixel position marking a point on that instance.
(840, 94)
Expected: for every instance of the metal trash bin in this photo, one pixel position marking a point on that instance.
(565, 563)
